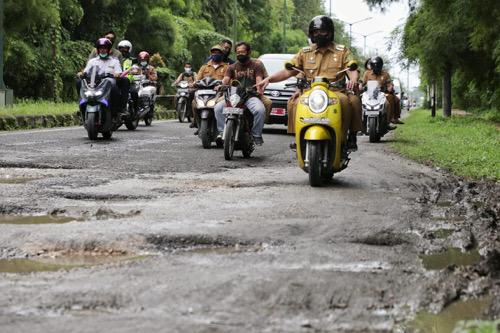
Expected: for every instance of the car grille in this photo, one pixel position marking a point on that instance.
(279, 96)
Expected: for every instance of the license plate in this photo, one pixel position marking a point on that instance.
(278, 112)
(232, 111)
(206, 92)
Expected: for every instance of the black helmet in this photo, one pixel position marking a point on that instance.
(321, 22)
(376, 65)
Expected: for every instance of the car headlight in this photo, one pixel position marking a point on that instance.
(234, 100)
(318, 101)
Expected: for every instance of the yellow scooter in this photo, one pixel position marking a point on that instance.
(321, 145)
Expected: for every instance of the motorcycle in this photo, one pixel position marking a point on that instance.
(374, 103)
(238, 121)
(321, 146)
(95, 104)
(183, 97)
(146, 91)
(206, 98)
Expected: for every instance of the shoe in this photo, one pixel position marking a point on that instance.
(293, 146)
(192, 125)
(258, 140)
(196, 132)
(218, 140)
(352, 144)
(397, 121)
(391, 128)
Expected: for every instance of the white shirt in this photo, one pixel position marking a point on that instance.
(110, 65)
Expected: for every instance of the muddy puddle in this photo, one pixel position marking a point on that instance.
(50, 264)
(16, 180)
(36, 219)
(447, 320)
(452, 256)
(223, 250)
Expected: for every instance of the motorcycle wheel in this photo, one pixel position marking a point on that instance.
(204, 135)
(248, 146)
(372, 130)
(132, 123)
(181, 111)
(107, 134)
(315, 164)
(90, 125)
(229, 140)
(148, 121)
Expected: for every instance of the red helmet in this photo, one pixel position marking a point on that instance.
(143, 55)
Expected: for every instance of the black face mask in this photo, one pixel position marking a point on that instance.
(321, 41)
(243, 58)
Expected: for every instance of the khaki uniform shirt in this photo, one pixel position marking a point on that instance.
(209, 69)
(383, 79)
(326, 62)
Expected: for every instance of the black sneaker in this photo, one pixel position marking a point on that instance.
(196, 132)
(352, 144)
(293, 146)
(218, 141)
(193, 125)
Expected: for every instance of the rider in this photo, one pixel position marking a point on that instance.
(114, 52)
(324, 58)
(189, 76)
(106, 64)
(376, 73)
(125, 48)
(215, 68)
(248, 72)
(148, 70)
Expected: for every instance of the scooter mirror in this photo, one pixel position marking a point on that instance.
(352, 65)
(235, 83)
(289, 66)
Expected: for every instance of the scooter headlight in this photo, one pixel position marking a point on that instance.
(89, 94)
(183, 84)
(234, 100)
(211, 103)
(98, 93)
(318, 101)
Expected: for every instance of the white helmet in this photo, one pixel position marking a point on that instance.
(125, 43)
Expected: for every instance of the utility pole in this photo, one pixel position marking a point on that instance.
(235, 19)
(6, 95)
(284, 26)
(330, 8)
(408, 82)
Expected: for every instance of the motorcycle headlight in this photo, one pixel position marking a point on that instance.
(318, 101)
(211, 103)
(200, 103)
(234, 100)
(183, 85)
(98, 93)
(89, 94)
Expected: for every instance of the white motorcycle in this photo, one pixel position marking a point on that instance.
(375, 106)
(146, 91)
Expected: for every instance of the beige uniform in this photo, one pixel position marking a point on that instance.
(384, 79)
(327, 62)
(213, 70)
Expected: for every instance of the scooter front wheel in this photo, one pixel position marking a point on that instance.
(91, 127)
(229, 139)
(315, 163)
(372, 130)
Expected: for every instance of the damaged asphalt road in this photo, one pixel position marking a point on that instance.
(150, 232)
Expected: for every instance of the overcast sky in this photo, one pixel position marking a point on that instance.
(394, 16)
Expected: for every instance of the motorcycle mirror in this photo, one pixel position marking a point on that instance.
(235, 83)
(352, 65)
(289, 66)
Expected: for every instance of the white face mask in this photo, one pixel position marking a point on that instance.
(144, 63)
(187, 69)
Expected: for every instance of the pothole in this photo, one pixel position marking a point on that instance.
(382, 238)
(16, 180)
(36, 219)
(100, 197)
(447, 320)
(451, 256)
(63, 262)
(227, 250)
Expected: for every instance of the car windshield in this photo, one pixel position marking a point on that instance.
(274, 65)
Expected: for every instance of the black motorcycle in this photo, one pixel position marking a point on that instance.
(95, 108)
(206, 98)
(238, 121)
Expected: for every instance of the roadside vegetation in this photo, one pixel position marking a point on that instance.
(468, 145)
(38, 108)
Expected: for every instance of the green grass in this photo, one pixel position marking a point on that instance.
(38, 108)
(468, 146)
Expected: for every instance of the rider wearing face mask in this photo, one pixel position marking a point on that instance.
(111, 36)
(188, 75)
(377, 73)
(248, 72)
(215, 67)
(324, 58)
(146, 69)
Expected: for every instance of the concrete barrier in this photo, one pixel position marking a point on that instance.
(9, 123)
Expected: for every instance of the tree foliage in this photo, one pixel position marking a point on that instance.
(48, 41)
